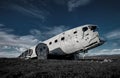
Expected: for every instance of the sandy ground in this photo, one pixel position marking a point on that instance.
(33, 68)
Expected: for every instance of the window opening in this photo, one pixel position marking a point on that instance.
(56, 41)
(62, 38)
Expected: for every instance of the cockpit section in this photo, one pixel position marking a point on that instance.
(84, 29)
(90, 36)
(92, 28)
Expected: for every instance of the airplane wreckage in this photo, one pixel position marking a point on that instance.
(68, 43)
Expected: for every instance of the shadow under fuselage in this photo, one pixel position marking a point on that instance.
(61, 57)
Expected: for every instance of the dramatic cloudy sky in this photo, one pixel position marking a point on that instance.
(24, 23)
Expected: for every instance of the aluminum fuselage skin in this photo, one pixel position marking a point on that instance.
(73, 40)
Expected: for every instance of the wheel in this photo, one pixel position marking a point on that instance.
(42, 51)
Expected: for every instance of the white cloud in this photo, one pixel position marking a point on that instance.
(30, 11)
(115, 44)
(1, 25)
(72, 4)
(49, 32)
(28, 8)
(13, 45)
(9, 55)
(56, 30)
(14, 40)
(113, 35)
(35, 32)
(105, 52)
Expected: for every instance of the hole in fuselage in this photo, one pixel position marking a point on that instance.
(93, 28)
(84, 29)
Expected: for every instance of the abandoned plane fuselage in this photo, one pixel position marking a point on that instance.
(73, 41)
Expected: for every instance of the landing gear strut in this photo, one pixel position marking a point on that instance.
(77, 55)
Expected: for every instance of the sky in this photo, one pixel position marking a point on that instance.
(25, 23)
